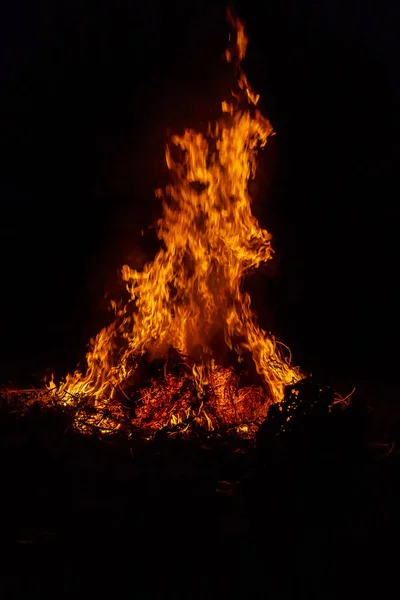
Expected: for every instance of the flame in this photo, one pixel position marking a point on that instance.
(191, 294)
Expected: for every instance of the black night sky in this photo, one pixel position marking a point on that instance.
(89, 92)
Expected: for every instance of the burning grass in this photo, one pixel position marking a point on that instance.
(167, 401)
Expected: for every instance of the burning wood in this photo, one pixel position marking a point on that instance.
(191, 294)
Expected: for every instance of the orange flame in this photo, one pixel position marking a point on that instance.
(191, 293)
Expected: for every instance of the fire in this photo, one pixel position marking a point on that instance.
(186, 308)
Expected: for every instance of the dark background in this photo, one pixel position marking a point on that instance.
(88, 93)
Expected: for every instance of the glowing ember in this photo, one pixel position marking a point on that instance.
(186, 313)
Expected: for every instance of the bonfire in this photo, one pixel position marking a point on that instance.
(186, 352)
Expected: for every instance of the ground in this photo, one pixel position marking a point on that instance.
(198, 519)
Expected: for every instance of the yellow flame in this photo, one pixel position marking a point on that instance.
(192, 291)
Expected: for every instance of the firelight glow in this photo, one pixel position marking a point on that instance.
(191, 294)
